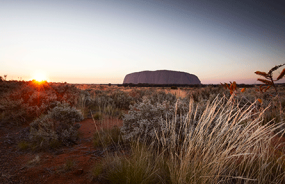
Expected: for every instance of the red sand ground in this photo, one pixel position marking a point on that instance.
(19, 167)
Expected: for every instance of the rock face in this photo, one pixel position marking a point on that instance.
(161, 77)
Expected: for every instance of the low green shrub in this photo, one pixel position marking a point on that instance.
(57, 127)
(147, 121)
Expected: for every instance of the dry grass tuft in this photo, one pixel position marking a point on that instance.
(229, 144)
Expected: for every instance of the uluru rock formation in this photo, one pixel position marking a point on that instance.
(161, 77)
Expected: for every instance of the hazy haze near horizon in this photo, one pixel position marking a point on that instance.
(102, 41)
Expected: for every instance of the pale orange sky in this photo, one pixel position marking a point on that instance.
(102, 41)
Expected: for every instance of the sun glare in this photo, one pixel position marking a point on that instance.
(40, 77)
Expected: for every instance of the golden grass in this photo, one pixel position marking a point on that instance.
(228, 145)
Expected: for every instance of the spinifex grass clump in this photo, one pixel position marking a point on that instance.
(84, 102)
(141, 166)
(227, 145)
(107, 137)
(223, 143)
(58, 126)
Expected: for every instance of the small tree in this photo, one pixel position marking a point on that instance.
(268, 82)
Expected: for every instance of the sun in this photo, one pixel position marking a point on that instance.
(39, 76)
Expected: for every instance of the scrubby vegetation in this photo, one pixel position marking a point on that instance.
(212, 136)
(206, 134)
(23, 102)
(221, 143)
(57, 126)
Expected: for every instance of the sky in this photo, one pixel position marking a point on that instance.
(101, 41)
